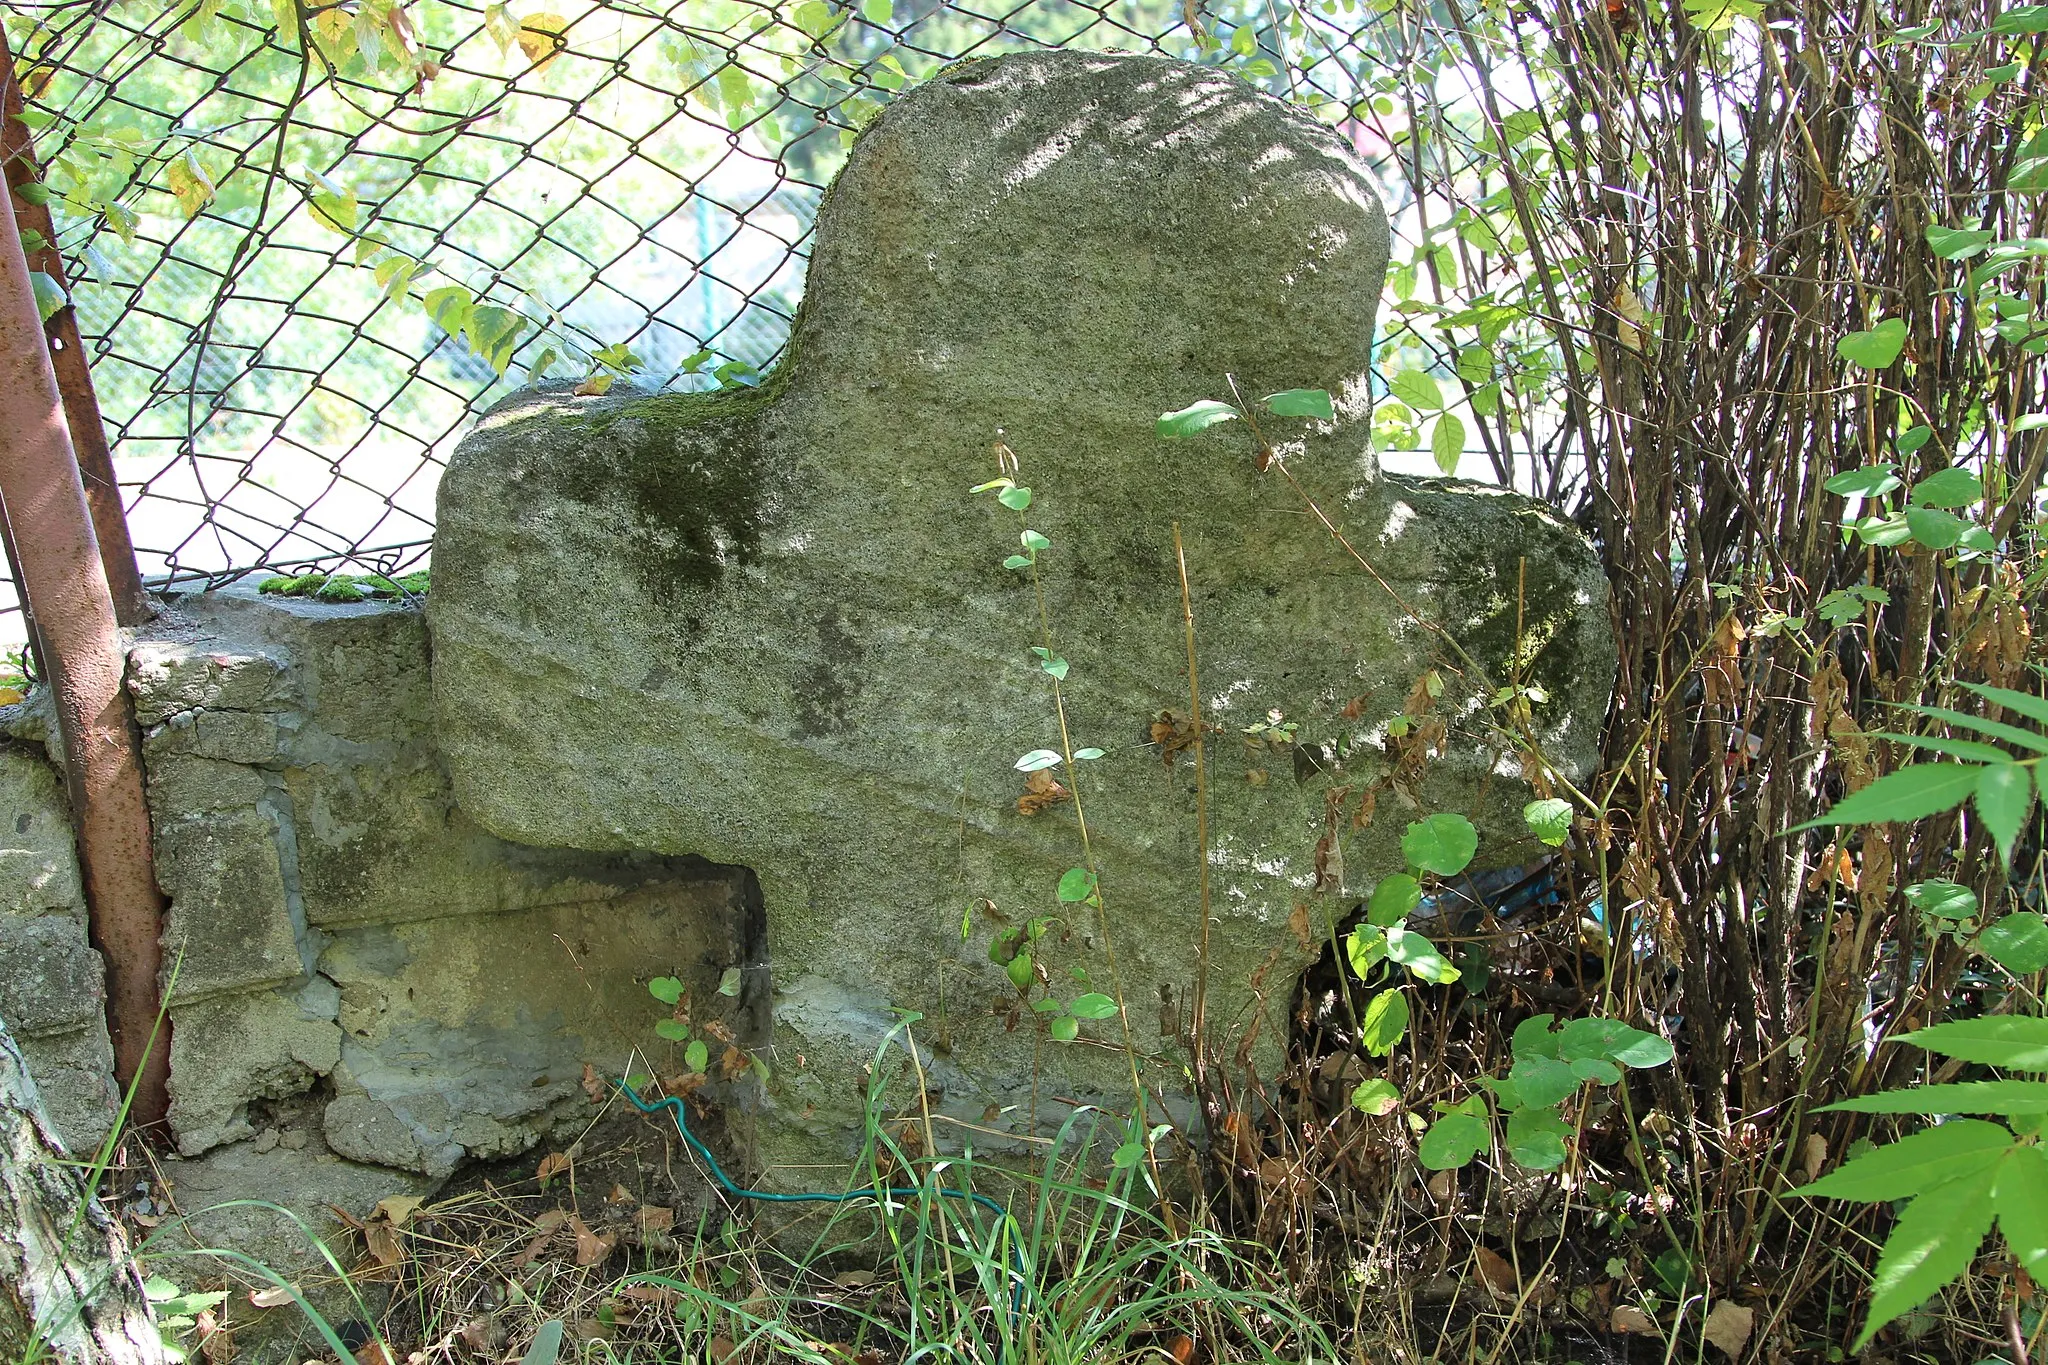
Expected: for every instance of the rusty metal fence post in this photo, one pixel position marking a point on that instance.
(64, 580)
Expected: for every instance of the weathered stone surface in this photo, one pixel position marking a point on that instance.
(74, 1071)
(232, 1049)
(38, 863)
(167, 676)
(51, 980)
(356, 942)
(770, 627)
(230, 925)
(461, 1040)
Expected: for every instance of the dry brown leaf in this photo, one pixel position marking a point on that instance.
(721, 1350)
(1298, 924)
(592, 1086)
(854, 1279)
(732, 1064)
(374, 1353)
(482, 1336)
(655, 1218)
(1634, 1321)
(1729, 1326)
(550, 1219)
(277, 1296)
(649, 1293)
(619, 1195)
(551, 1165)
(1813, 1155)
(385, 1243)
(1172, 734)
(591, 1247)
(1041, 793)
(397, 1209)
(1497, 1274)
(1441, 1185)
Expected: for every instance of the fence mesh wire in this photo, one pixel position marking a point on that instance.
(308, 242)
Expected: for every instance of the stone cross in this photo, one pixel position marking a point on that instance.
(771, 626)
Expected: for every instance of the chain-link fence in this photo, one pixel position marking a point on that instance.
(309, 241)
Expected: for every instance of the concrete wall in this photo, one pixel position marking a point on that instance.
(365, 988)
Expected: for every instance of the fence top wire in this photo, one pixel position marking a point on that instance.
(307, 242)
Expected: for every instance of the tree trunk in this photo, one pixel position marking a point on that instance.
(68, 1286)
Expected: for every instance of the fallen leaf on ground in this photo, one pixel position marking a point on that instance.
(591, 1247)
(1498, 1275)
(277, 1296)
(854, 1279)
(384, 1242)
(1729, 1326)
(551, 1165)
(1634, 1321)
(396, 1209)
(655, 1218)
(619, 1195)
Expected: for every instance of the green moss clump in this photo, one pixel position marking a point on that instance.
(343, 587)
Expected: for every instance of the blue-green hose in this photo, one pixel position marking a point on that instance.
(726, 1183)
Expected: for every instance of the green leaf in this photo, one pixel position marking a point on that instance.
(1957, 244)
(2004, 795)
(1942, 899)
(1193, 418)
(1542, 1081)
(1036, 759)
(1447, 443)
(729, 981)
(1418, 389)
(1017, 562)
(1376, 1096)
(2010, 1040)
(1596, 1069)
(1875, 349)
(1933, 1242)
(1963, 1097)
(1910, 794)
(2021, 1198)
(667, 989)
(1549, 820)
(1904, 1168)
(2013, 734)
(1127, 1156)
(1442, 843)
(2018, 943)
(1064, 1029)
(1952, 487)
(1050, 662)
(1969, 749)
(1912, 438)
(1614, 1040)
(1419, 956)
(1533, 1038)
(1014, 498)
(546, 1346)
(2032, 707)
(1018, 969)
(1076, 884)
(1393, 899)
(1033, 541)
(1385, 1022)
(1302, 403)
(1452, 1141)
(674, 1030)
(697, 1055)
(1936, 529)
(1093, 1005)
(49, 295)
(1085, 755)
(1871, 481)
(1364, 947)
(1535, 1138)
